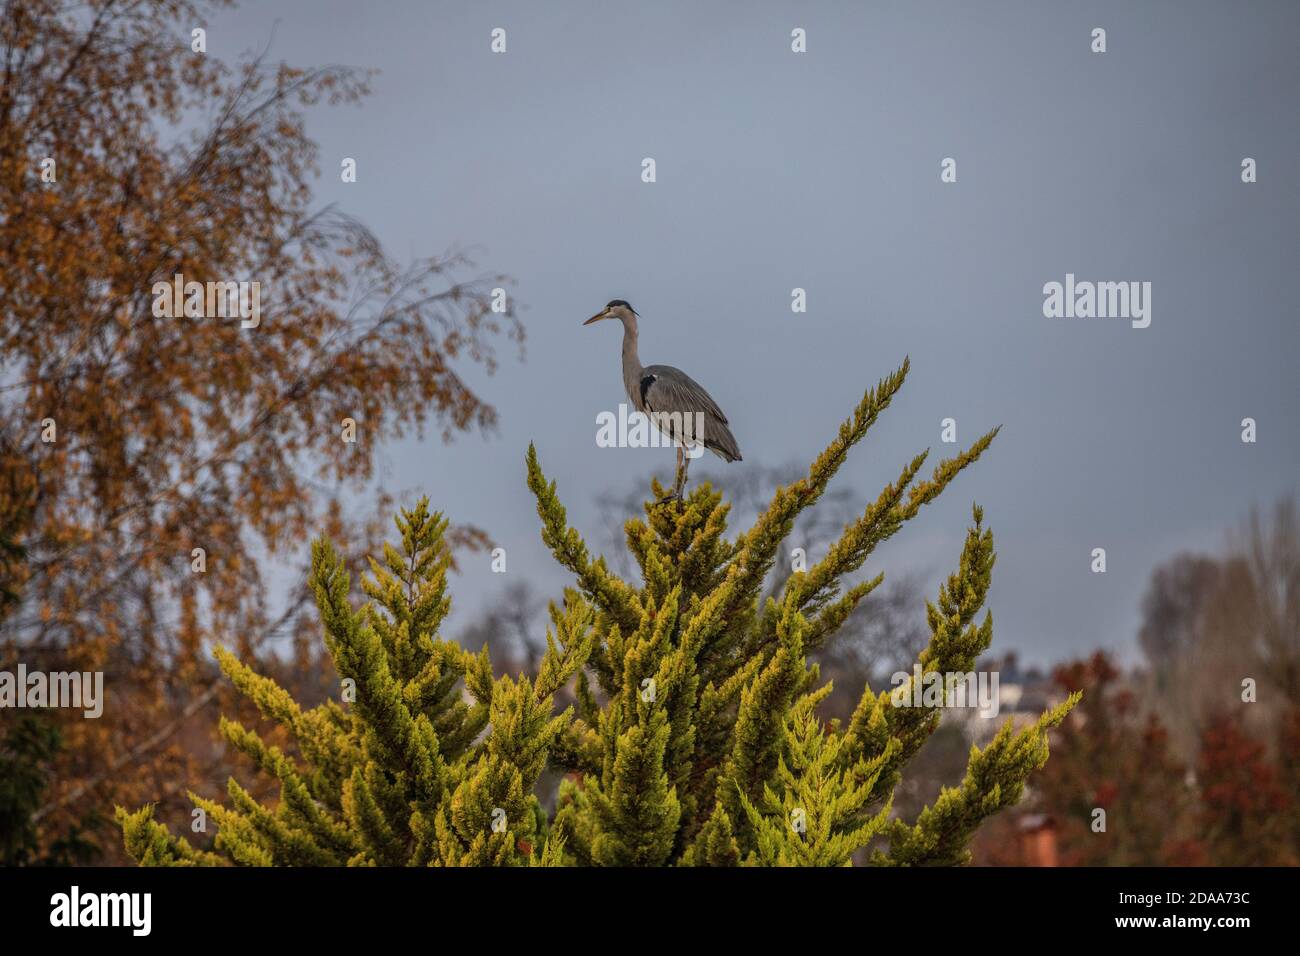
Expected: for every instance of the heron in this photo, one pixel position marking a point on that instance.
(677, 404)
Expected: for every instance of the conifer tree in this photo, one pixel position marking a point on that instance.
(403, 773)
(695, 739)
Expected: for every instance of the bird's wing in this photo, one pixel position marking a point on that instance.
(668, 389)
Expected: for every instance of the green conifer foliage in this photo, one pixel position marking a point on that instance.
(430, 760)
(694, 739)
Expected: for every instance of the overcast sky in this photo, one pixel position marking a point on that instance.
(821, 170)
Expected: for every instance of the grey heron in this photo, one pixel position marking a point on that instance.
(676, 403)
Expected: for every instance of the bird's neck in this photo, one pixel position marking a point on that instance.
(631, 365)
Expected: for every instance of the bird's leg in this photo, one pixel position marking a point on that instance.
(686, 466)
(677, 487)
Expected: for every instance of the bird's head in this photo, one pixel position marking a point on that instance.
(616, 309)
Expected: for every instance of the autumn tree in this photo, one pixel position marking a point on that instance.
(1212, 621)
(157, 463)
(694, 738)
(1234, 805)
(1247, 815)
(1288, 760)
(1114, 791)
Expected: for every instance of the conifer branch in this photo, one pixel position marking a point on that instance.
(995, 779)
(605, 590)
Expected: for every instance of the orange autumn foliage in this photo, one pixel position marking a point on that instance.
(125, 158)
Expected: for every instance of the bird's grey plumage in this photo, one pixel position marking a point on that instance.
(667, 391)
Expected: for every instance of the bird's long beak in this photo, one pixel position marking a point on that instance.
(597, 318)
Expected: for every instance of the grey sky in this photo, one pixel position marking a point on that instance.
(821, 170)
